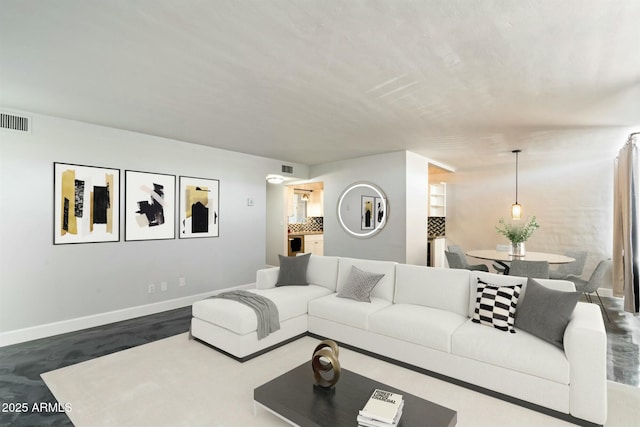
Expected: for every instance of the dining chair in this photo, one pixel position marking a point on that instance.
(463, 258)
(572, 268)
(595, 281)
(500, 268)
(535, 269)
(454, 261)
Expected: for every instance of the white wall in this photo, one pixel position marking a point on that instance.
(276, 215)
(417, 191)
(36, 285)
(404, 237)
(572, 201)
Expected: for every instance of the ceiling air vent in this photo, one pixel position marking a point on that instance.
(14, 122)
(287, 169)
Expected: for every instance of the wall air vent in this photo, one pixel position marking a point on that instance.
(287, 169)
(14, 122)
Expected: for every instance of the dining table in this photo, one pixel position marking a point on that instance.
(503, 257)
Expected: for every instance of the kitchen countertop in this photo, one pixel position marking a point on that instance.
(304, 233)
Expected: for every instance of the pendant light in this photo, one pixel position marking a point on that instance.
(516, 208)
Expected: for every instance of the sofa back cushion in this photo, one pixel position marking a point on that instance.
(385, 287)
(441, 288)
(323, 271)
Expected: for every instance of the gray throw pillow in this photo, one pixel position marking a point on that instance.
(545, 312)
(359, 285)
(293, 270)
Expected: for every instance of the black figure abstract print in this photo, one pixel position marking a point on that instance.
(199, 207)
(149, 206)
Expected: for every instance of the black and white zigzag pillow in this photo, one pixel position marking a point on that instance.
(496, 305)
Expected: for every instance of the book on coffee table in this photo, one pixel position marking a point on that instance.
(370, 422)
(382, 408)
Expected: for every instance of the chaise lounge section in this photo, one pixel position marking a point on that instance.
(422, 318)
(232, 327)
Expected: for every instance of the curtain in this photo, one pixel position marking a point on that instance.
(626, 222)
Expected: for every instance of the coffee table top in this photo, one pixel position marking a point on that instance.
(294, 397)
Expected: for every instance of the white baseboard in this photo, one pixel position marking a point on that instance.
(71, 325)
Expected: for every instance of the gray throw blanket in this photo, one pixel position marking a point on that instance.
(266, 310)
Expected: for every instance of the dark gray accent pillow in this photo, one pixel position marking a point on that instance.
(359, 285)
(545, 312)
(293, 270)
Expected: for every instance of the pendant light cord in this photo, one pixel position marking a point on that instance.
(516, 151)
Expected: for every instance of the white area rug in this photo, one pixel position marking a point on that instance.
(177, 382)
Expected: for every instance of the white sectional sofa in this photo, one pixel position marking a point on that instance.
(421, 317)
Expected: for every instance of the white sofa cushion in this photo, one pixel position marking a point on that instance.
(291, 301)
(346, 311)
(521, 351)
(323, 271)
(384, 289)
(443, 288)
(417, 324)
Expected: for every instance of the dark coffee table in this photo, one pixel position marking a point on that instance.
(294, 398)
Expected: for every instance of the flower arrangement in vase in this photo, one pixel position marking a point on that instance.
(517, 234)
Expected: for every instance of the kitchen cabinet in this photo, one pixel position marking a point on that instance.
(314, 243)
(315, 205)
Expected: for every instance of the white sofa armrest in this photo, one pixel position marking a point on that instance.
(267, 278)
(585, 344)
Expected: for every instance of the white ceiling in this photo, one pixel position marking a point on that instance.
(462, 82)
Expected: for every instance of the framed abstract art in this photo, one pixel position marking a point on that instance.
(199, 207)
(149, 206)
(379, 213)
(86, 204)
(367, 213)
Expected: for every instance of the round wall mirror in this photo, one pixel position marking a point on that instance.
(362, 209)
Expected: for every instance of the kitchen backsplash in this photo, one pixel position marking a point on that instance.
(311, 223)
(436, 226)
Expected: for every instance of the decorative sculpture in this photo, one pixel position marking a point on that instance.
(325, 364)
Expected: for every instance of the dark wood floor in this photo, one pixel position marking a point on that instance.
(623, 343)
(22, 364)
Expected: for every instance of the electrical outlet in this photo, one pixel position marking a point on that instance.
(163, 287)
(152, 288)
(183, 281)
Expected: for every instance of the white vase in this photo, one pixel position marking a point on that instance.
(517, 249)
